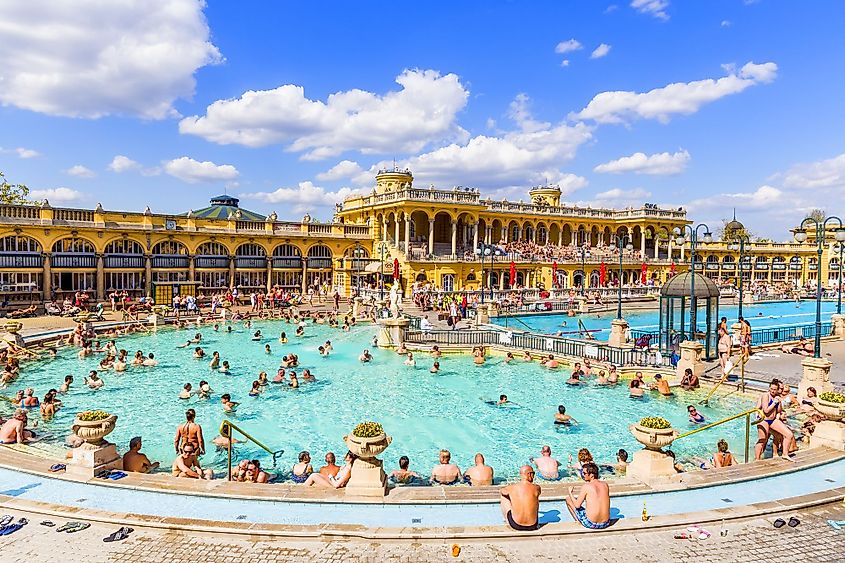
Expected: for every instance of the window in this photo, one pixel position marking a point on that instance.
(212, 249)
(170, 276)
(170, 247)
(20, 282)
(73, 245)
(290, 280)
(124, 246)
(124, 280)
(213, 279)
(19, 244)
(74, 281)
(448, 282)
(250, 249)
(251, 279)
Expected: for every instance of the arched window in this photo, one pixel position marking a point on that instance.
(250, 249)
(170, 254)
(124, 246)
(212, 249)
(287, 256)
(250, 255)
(16, 243)
(18, 252)
(212, 256)
(73, 246)
(170, 248)
(319, 257)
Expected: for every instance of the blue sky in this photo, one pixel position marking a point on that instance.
(292, 106)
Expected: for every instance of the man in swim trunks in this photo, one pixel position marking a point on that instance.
(14, 430)
(331, 468)
(403, 474)
(188, 465)
(596, 515)
(134, 460)
(520, 502)
(189, 433)
(479, 474)
(562, 418)
(446, 472)
(548, 466)
(662, 386)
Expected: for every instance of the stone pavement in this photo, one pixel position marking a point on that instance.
(751, 540)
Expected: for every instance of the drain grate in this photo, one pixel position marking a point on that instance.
(416, 520)
(81, 499)
(241, 517)
(831, 480)
(727, 500)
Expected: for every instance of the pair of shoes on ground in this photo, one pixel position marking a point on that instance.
(792, 523)
(8, 526)
(72, 527)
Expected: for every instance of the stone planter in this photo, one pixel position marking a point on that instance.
(12, 327)
(94, 431)
(652, 438)
(368, 478)
(831, 411)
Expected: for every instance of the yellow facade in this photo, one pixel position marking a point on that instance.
(433, 233)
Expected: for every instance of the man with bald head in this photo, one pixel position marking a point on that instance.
(520, 502)
(479, 474)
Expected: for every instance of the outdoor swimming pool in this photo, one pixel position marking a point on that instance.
(422, 411)
(762, 315)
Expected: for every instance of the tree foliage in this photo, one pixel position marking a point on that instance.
(13, 194)
(818, 214)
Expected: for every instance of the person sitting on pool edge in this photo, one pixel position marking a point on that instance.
(403, 474)
(135, 461)
(689, 381)
(337, 481)
(520, 502)
(595, 493)
(479, 474)
(562, 418)
(446, 472)
(188, 465)
(330, 469)
(661, 385)
(548, 466)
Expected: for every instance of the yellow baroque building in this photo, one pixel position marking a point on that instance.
(434, 234)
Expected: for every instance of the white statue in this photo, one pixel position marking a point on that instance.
(394, 302)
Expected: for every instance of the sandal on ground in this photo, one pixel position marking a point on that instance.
(779, 523)
(48, 523)
(56, 467)
(80, 527)
(836, 524)
(67, 526)
(793, 522)
(12, 528)
(115, 475)
(119, 535)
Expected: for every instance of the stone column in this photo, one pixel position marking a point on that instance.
(475, 236)
(838, 322)
(101, 278)
(560, 237)
(192, 268)
(454, 236)
(488, 234)
(671, 243)
(396, 232)
(618, 330)
(682, 253)
(816, 374)
(231, 271)
(384, 230)
(505, 234)
(431, 236)
(269, 273)
(407, 236)
(47, 277)
(148, 274)
(518, 234)
(304, 282)
(691, 352)
(642, 243)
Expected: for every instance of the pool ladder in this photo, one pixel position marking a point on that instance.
(226, 428)
(747, 414)
(742, 361)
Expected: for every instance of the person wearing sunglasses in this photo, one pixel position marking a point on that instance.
(520, 502)
(188, 465)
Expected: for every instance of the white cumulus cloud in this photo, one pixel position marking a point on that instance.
(618, 197)
(423, 111)
(828, 173)
(568, 46)
(678, 98)
(654, 8)
(601, 51)
(80, 171)
(341, 170)
(121, 163)
(56, 195)
(660, 164)
(306, 196)
(193, 171)
(26, 153)
(89, 58)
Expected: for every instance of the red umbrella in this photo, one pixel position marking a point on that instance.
(642, 277)
(395, 267)
(554, 273)
(602, 275)
(513, 274)
(672, 269)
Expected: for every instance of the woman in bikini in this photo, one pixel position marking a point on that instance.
(723, 458)
(769, 407)
(190, 433)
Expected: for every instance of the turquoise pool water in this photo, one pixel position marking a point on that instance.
(422, 411)
(761, 315)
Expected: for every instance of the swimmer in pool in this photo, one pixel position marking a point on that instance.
(280, 376)
(204, 390)
(435, 368)
(328, 346)
(365, 356)
(300, 331)
(526, 356)
(283, 338)
(257, 335)
(435, 351)
(256, 389)
(294, 381)
(199, 353)
(306, 375)
(224, 368)
(694, 416)
(186, 392)
(562, 418)
(509, 357)
(228, 404)
(478, 356)
(215, 360)
(552, 363)
(503, 400)
(410, 361)
(322, 351)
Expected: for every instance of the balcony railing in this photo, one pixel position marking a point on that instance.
(319, 263)
(169, 261)
(123, 261)
(74, 215)
(20, 211)
(250, 261)
(212, 262)
(72, 260)
(287, 263)
(21, 260)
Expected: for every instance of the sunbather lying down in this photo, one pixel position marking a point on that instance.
(803, 348)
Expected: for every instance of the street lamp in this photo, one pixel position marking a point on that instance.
(381, 285)
(693, 239)
(482, 251)
(356, 254)
(621, 245)
(739, 244)
(801, 236)
(583, 269)
(839, 246)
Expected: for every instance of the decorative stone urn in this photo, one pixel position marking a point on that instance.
(830, 432)
(368, 478)
(652, 438)
(832, 411)
(93, 431)
(12, 327)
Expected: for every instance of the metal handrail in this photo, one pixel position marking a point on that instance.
(226, 428)
(742, 361)
(746, 414)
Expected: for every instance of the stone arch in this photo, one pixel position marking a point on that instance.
(212, 248)
(567, 234)
(554, 233)
(542, 234)
(514, 232)
(251, 249)
(123, 245)
(74, 245)
(14, 243)
(170, 248)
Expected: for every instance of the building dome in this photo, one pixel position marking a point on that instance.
(223, 206)
(733, 226)
(681, 286)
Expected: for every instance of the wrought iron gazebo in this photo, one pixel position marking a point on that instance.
(683, 299)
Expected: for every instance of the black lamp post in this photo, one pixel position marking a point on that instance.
(801, 236)
(381, 286)
(739, 244)
(583, 269)
(622, 246)
(482, 251)
(693, 238)
(839, 281)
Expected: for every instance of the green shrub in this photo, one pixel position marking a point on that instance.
(655, 423)
(368, 430)
(92, 416)
(832, 397)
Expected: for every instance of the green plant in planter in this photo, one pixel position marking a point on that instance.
(368, 430)
(655, 423)
(92, 416)
(832, 397)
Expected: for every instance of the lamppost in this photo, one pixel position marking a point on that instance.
(693, 238)
(801, 236)
(381, 284)
(621, 245)
(739, 244)
(583, 269)
(839, 247)
(356, 253)
(482, 251)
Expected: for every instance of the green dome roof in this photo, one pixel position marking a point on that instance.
(224, 205)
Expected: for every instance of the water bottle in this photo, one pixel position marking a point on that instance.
(645, 513)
